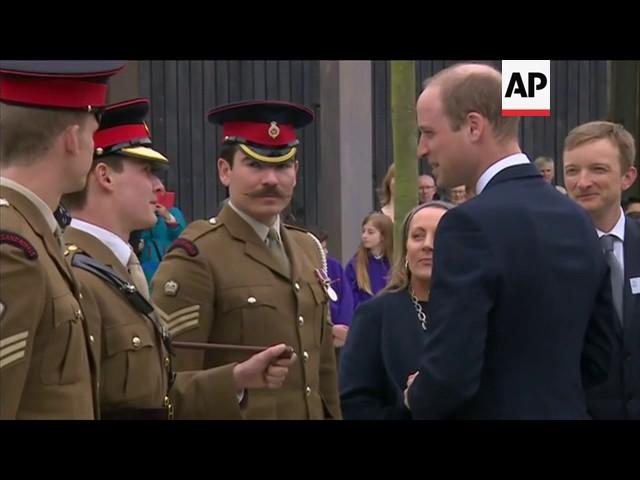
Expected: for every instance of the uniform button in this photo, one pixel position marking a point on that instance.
(251, 300)
(305, 355)
(91, 339)
(78, 314)
(296, 286)
(301, 320)
(307, 391)
(81, 297)
(135, 341)
(167, 362)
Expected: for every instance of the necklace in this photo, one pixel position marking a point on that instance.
(422, 317)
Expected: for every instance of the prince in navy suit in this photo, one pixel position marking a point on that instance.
(520, 309)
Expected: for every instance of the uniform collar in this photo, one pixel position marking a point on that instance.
(40, 204)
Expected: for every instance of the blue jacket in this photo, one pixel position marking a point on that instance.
(383, 348)
(521, 311)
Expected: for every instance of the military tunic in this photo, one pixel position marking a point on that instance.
(220, 283)
(135, 366)
(47, 361)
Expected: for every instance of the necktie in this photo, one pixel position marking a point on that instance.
(137, 275)
(277, 249)
(617, 275)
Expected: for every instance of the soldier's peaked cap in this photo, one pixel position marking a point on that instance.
(264, 129)
(123, 131)
(61, 84)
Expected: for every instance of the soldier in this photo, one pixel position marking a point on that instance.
(244, 277)
(47, 117)
(135, 361)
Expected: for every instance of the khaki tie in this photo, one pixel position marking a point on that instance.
(137, 275)
(277, 249)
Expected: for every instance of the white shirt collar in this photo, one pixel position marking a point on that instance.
(121, 249)
(260, 228)
(40, 204)
(617, 230)
(493, 170)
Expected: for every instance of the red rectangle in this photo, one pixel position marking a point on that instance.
(167, 199)
(526, 113)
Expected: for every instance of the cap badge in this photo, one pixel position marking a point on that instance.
(274, 130)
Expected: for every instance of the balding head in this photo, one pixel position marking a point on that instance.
(471, 87)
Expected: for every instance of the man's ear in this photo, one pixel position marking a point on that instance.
(476, 125)
(224, 172)
(104, 176)
(71, 139)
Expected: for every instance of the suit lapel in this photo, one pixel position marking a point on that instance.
(631, 302)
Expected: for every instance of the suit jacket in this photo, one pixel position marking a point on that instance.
(619, 397)
(134, 363)
(47, 364)
(223, 285)
(383, 348)
(520, 304)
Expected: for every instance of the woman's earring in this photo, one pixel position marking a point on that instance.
(406, 264)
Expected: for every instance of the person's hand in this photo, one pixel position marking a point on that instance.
(410, 380)
(164, 212)
(264, 369)
(339, 335)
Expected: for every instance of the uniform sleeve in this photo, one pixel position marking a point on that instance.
(206, 395)
(20, 314)
(184, 293)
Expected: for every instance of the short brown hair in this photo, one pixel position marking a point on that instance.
(28, 133)
(614, 132)
(77, 200)
(479, 90)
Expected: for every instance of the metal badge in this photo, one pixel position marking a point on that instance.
(274, 130)
(171, 288)
(325, 281)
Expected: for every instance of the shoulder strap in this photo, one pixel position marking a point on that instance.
(131, 293)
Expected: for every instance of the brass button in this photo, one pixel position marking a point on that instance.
(81, 297)
(296, 286)
(251, 300)
(307, 391)
(72, 248)
(167, 362)
(166, 402)
(91, 339)
(212, 220)
(300, 320)
(135, 341)
(305, 355)
(78, 314)
(99, 151)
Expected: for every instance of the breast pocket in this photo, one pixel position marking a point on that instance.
(132, 364)
(249, 315)
(65, 360)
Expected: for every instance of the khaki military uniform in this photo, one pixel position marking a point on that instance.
(223, 285)
(47, 363)
(135, 367)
